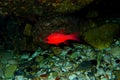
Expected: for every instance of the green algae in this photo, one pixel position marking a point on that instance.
(101, 37)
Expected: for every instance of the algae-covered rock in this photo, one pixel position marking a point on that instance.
(101, 37)
(40, 7)
(70, 5)
(9, 71)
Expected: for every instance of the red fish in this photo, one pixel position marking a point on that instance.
(57, 38)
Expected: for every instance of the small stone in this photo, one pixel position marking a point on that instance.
(115, 51)
(117, 61)
(19, 72)
(117, 42)
(107, 58)
(85, 65)
(19, 78)
(12, 61)
(117, 73)
(100, 71)
(39, 59)
(25, 56)
(72, 77)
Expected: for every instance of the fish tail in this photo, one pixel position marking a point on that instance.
(74, 36)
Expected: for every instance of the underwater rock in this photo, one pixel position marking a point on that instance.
(117, 74)
(86, 65)
(70, 5)
(13, 61)
(101, 37)
(41, 7)
(9, 71)
(56, 50)
(4, 58)
(73, 77)
(39, 59)
(19, 72)
(107, 58)
(1, 70)
(20, 78)
(115, 51)
(27, 30)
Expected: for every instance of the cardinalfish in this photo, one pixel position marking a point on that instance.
(56, 38)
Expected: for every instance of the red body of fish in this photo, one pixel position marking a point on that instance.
(57, 38)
